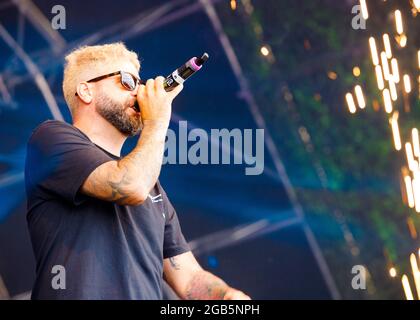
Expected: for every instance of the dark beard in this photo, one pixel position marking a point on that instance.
(116, 114)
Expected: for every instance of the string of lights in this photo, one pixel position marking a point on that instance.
(396, 87)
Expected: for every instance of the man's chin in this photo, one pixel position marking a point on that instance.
(136, 132)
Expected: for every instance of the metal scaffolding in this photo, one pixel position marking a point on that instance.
(34, 65)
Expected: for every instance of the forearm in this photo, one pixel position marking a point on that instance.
(142, 165)
(190, 281)
(205, 286)
(129, 180)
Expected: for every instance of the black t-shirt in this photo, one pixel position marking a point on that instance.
(108, 251)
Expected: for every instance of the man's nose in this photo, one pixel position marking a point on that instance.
(134, 92)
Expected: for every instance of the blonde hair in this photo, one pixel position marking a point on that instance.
(87, 62)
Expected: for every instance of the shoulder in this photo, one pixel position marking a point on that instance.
(51, 130)
(52, 126)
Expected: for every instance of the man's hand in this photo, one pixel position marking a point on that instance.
(190, 281)
(155, 103)
(233, 294)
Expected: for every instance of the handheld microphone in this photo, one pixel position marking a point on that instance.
(184, 72)
(181, 74)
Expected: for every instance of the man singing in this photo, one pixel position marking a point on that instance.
(104, 221)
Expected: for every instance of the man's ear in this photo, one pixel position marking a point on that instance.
(84, 92)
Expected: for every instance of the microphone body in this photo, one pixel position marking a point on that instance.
(184, 72)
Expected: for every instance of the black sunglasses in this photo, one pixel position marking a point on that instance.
(128, 80)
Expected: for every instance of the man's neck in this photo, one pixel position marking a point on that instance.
(102, 133)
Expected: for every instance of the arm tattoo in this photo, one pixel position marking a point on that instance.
(118, 188)
(174, 263)
(124, 180)
(111, 190)
(205, 286)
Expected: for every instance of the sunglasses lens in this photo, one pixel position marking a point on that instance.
(128, 81)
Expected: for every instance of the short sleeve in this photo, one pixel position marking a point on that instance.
(174, 241)
(60, 158)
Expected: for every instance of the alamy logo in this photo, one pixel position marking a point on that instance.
(359, 280)
(58, 282)
(196, 146)
(59, 20)
(358, 22)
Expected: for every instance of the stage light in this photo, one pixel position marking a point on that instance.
(385, 66)
(392, 272)
(416, 145)
(379, 77)
(387, 45)
(233, 4)
(416, 273)
(332, 75)
(395, 131)
(412, 164)
(418, 56)
(356, 71)
(416, 191)
(409, 189)
(264, 51)
(364, 9)
(407, 83)
(376, 105)
(411, 228)
(393, 89)
(359, 96)
(387, 101)
(395, 71)
(398, 22)
(402, 40)
(416, 184)
(373, 51)
(350, 103)
(407, 289)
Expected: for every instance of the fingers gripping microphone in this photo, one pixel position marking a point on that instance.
(181, 74)
(184, 72)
